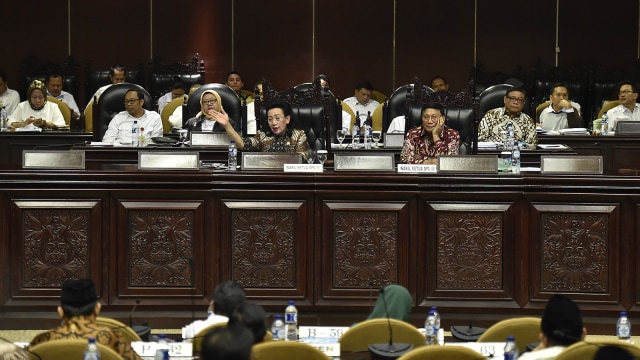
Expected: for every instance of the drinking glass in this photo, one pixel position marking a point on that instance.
(376, 136)
(322, 156)
(311, 156)
(341, 134)
(182, 133)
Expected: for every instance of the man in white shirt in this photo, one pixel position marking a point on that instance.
(628, 108)
(8, 97)
(119, 130)
(117, 75)
(438, 83)
(361, 103)
(54, 89)
(561, 113)
(177, 90)
(227, 297)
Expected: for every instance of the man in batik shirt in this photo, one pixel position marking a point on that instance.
(423, 144)
(496, 120)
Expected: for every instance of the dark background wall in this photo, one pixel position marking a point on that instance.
(290, 41)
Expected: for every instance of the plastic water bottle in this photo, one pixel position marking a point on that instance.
(355, 135)
(510, 137)
(3, 117)
(515, 158)
(430, 331)
(135, 134)
(623, 327)
(367, 137)
(510, 349)
(277, 328)
(91, 352)
(291, 321)
(162, 350)
(233, 156)
(605, 124)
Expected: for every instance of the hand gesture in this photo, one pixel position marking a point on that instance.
(220, 116)
(564, 103)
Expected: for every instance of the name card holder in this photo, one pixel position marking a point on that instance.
(168, 160)
(268, 160)
(362, 160)
(176, 349)
(393, 140)
(417, 168)
(212, 139)
(571, 164)
(627, 127)
(465, 164)
(303, 168)
(53, 159)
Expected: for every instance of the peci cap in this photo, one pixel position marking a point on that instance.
(78, 292)
(562, 321)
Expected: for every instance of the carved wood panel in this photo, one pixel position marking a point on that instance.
(53, 240)
(574, 250)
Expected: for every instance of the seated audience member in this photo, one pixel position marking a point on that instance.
(227, 343)
(611, 352)
(175, 119)
(398, 302)
(54, 89)
(234, 81)
(117, 75)
(496, 120)
(628, 108)
(438, 83)
(561, 326)
(279, 137)
(207, 119)
(361, 103)
(78, 309)
(253, 317)
(119, 130)
(36, 111)
(9, 98)
(561, 113)
(9, 351)
(227, 297)
(177, 90)
(423, 144)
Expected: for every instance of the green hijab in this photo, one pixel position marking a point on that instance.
(398, 303)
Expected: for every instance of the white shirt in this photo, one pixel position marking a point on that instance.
(190, 331)
(68, 99)
(50, 112)
(397, 124)
(621, 112)
(119, 130)
(163, 101)
(251, 119)
(175, 119)
(553, 121)
(359, 109)
(10, 99)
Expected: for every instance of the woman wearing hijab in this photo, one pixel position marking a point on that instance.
(210, 111)
(398, 304)
(280, 136)
(36, 109)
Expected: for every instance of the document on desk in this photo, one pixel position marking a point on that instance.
(553, 146)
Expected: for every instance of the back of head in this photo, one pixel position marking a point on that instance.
(611, 352)
(227, 297)
(227, 343)
(562, 321)
(253, 317)
(78, 297)
(398, 304)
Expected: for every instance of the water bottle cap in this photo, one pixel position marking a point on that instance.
(233, 142)
(511, 338)
(278, 316)
(431, 313)
(291, 302)
(434, 308)
(135, 121)
(162, 336)
(623, 313)
(92, 340)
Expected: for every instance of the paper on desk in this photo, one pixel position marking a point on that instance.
(99, 143)
(552, 146)
(29, 128)
(488, 144)
(574, 131)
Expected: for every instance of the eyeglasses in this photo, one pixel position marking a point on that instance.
(209, 102)
(625, 92)
(515, 99)
(432, 117)
(275, 119)
(130, 101)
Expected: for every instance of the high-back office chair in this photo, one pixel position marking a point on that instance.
(167, 111)
(111, 103)
(397, 104)
(98, 78)
(69, 349)
(64, 109)
(164, 75)
(230, 102)
(491, 98)
(525, 329)
(378, 96)
(442, 353)
(277, 350)
(114, 324)
(588, 349)
(374, 331)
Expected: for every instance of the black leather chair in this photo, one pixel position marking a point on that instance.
(99, 78)
(602, 90)
(335, 109)
(397, 104)
(69, 83)
(230, 102)
(161, 83)
(458, 118)
(491, 98)
(111, 103)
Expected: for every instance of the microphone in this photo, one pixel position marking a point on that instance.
(370, 293)
(142, 330)
(388, 351)
(131, 313)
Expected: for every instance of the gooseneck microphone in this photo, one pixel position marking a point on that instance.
(131, 313)
(388, 350)
(142, 330)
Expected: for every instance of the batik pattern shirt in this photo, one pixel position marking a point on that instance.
(496, 120)
(419, 145)
(296, 144)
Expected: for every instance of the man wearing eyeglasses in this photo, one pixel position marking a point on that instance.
(496, 120)
(423, 144)
(119, 131)
(628, 108)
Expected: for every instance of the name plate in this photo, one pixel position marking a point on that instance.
(303, 168)
(417, 168)
(354, 161)
(52, 159)
(571, 164)
(214, 139)
(487, 164)
(322, 331)
(177, 349)
(329, 346)
(268, 160)
(393, 140)
(168, 161)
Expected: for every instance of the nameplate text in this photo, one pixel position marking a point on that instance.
(417, 168)
(303, 168)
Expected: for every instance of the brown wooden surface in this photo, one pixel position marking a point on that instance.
(481, 248)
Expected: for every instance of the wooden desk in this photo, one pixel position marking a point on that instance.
(13, 143)
(618, 152)
(129, 155)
